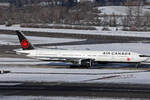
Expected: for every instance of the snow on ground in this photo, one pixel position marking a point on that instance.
(73, 31)
(60, 98)
(120, 10)
(13, 40)
(29, 74)
(26, 73)
(117, 10)
(78, 75)
(53, 70)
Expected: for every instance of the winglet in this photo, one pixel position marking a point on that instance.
(25, 44)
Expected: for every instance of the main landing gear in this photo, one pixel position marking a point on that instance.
(87, 63)
(84, 63)
(138, 65)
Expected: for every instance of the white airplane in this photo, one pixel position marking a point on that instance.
(85, 58)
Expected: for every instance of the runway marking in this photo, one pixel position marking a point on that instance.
(113, 76)
(102, 78)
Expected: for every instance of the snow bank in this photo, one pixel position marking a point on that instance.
(56, 98)
(13, 40)
(117, 10)
(72, 31)
(24, 74)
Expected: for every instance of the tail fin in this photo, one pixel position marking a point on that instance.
(25, 44)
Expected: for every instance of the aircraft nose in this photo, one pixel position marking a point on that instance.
(144, 57)
(147, 58)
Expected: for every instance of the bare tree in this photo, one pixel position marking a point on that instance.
(134, 14)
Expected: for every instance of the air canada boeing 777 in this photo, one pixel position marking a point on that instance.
(85, 58)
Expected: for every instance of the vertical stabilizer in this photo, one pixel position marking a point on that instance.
(25, 44)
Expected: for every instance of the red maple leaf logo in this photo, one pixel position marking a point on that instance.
(25, 43)
(128, 59)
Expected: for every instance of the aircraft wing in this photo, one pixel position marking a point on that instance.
(65, 59)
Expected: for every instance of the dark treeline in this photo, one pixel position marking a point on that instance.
(20, 3)
(80, 14)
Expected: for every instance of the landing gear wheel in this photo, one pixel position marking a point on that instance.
(138, 65)
(74, 66)
(87, 63)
